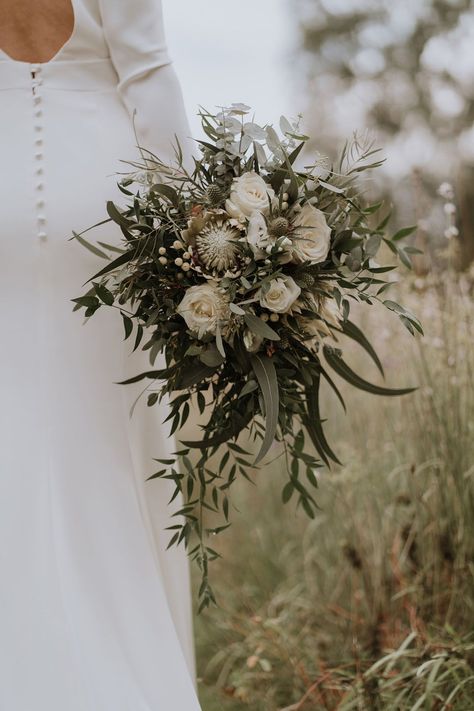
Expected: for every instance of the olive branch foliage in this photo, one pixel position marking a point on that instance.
(271, 395)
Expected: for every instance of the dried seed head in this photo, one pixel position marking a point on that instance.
(279, 226)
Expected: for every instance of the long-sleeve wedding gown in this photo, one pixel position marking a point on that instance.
(94, 613)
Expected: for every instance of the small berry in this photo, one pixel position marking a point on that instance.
(264, 316)
(178, 261)
(162, 250)
(186, 267)
(163, 260)
(274, 317)
(177, 244)
(186, 255)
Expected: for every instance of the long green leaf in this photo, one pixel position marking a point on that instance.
(265, 373)
(259, 327)
(342, 369)
(122, 259)
(314, 425)
(91, 247)
(352, 331)
(232, 430)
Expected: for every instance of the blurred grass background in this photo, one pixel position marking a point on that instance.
(371, 605)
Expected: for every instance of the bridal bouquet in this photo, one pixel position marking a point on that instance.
(243, 271)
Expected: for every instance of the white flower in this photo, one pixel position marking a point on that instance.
(252, 341)
(257, 234)
(248, 193)
(202, 307)
(281, 295)
(217, 245)
(311, 236)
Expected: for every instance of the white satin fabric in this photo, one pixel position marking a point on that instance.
(95, 615)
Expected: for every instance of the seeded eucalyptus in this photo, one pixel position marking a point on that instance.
(243, 273)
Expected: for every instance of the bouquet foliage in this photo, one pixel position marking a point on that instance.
(243, 271)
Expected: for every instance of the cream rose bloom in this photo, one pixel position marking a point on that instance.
(249, 193)
(202, 307)
(311, 236)
(281, 295)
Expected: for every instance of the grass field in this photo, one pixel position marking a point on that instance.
(370, 605)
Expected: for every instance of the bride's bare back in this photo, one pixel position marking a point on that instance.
(35, 30)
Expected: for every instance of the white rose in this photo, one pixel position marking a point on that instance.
(202, 307)
(249, 192)
(281, 295)
(311, 236)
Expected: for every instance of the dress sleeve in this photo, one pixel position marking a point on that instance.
(148, 84)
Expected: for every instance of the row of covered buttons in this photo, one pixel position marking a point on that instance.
(36, 83)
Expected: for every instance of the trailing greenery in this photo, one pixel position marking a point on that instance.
(244, 272)
(371, 605)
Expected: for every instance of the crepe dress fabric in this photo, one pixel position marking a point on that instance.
(95, 613)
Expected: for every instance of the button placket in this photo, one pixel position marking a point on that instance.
(36, 83)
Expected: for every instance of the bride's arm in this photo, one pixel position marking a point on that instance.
(148, 83)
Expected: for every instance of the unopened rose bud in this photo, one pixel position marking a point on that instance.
(177, 244)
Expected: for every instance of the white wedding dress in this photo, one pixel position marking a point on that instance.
(95, 615)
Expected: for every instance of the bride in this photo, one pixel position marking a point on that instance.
(95, 615)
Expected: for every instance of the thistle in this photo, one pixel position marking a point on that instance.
(214, 195)
(279, 227)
